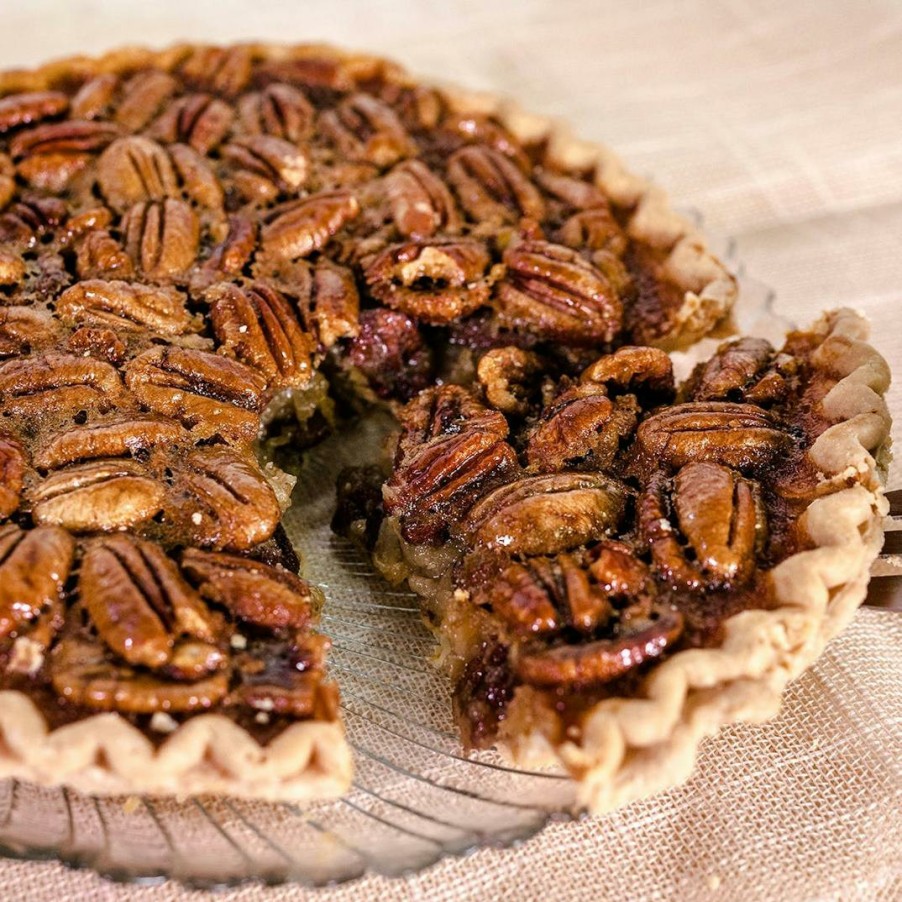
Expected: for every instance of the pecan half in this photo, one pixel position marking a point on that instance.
(259, 326)
(420, 202)
(100, 256)
(594, 230)
(299, 228)
(644, 372)
(140, 604)
(23, 109)
(94, 97)
(491, 188)
(741, 436)
(265, 166)
(220, 70)
(436, 282)
(257, 593)
(198, 120)
(221, 500)
(537, 596)
(510, 378)
(13, 462)
(100, 496)
(279, 110)
(552, 292)
(197, 179)
(233, 253)
(582, 428)
(591, 663)
(69, 137)
(135, 169)
(330, 303)
(33, 387)
(24, 329)
(546, 514)
(124, 437)
(450, 448)
(83, 674)
(716, 515)
(747, 369)
(30, 219)
(142, 96)
(210, 394)
(34, 567)
(162, 237)
(363, 128)
(122, 305)
(473, 128)
(102, 344)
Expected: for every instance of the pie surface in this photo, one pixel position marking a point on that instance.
(206, 247)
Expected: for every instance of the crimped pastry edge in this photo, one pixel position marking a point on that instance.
(105, 754)
(633, 748)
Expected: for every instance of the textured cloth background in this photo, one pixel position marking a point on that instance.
(782, 123)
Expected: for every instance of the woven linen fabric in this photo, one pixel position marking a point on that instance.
(782, 123)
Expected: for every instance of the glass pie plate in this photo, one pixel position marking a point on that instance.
(416, 797)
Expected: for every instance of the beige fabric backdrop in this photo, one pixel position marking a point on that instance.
(782, 122)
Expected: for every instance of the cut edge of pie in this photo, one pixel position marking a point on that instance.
(631, 747)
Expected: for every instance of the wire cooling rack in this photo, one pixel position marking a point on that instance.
(415, 798)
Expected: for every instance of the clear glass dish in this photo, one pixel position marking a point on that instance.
(415, 797)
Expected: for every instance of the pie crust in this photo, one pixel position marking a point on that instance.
(630, 747)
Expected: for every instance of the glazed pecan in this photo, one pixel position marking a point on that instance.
(161, 237)
(35, 387)
(420, 202)
(233, 253)
(550, 291)
(473, 128)
(220, 70)
(546, 514)
(100, 496)
(23, 109)
(435, 282)
(747, 369)
(491, 188)
(711, 536)
(258, 325)
(94, 97)
(510, 378)
(537, 596)
(142, 96)
(144, 610)
(24, 329)
(12, 269)
(363, 128)
(451, 446)
(83, 673)
(644, 372)
(298, 228)
(591, 663)
(136, 169)
(198, 120)
(594, 230)
(265, 166)
(257, 593)
(279, 110)
(582, 428)
(122, 305)
(123, 437)
(390, 353)
(210, 394)
(571, 192)
(52, 172)
(100, 256)
(34, 567)
(13, 461)
(69, 137)
(742, 436)
(221, 500)
(197, 180)
(328, 299)
(30, 219)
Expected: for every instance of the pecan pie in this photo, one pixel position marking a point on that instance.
(201, 245)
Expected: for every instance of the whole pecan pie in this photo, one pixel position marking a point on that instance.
(203, 247)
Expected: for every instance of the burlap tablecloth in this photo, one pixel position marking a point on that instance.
(782, 122)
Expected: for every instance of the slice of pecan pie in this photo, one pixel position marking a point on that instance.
(204, 247)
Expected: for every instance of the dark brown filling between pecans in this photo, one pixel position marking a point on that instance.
(180, 252)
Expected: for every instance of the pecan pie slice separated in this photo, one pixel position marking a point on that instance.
(203, 248)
